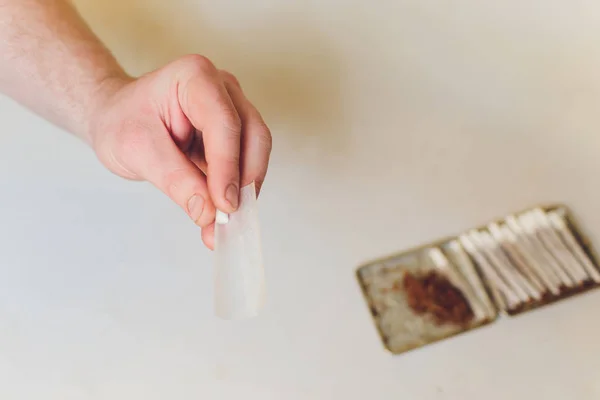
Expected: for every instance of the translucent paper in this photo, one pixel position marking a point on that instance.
(239, 271)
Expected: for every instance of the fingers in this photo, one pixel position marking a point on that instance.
(256, 139)
(208, 236)
(165, 166)
(206, 103)
(196, 153)
(255, 146)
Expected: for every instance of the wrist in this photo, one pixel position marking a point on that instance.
(102, 96)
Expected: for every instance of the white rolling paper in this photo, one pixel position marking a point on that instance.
(239, 271)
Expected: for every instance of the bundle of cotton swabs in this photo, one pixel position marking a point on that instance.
(524, 259)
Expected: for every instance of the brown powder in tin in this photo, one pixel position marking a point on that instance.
(433, 294)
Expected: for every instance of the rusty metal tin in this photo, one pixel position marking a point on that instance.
(484, 280)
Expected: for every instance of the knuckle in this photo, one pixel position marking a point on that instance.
(230, 78)
(199, 64)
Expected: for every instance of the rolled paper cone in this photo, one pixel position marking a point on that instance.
(551, 280)
(239, 270)
(560, 225)
(517, 259)
(532, 223)
(539, 250)
(467, 268)
(505, 298)
(543, 221)
(501, 269)
(510, 267)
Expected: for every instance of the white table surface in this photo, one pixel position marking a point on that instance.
(394, 124)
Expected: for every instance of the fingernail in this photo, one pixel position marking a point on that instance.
(195, 207)
(232, 196)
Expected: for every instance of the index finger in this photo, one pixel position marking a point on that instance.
(256, 142)
(206, 103)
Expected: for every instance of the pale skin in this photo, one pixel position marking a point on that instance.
(187, 127)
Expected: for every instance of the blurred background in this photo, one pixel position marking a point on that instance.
(394, 124)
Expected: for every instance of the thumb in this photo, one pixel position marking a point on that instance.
(172, 172)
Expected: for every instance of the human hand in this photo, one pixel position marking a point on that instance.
(188, 129)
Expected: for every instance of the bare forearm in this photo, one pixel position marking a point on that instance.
(52, 63)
